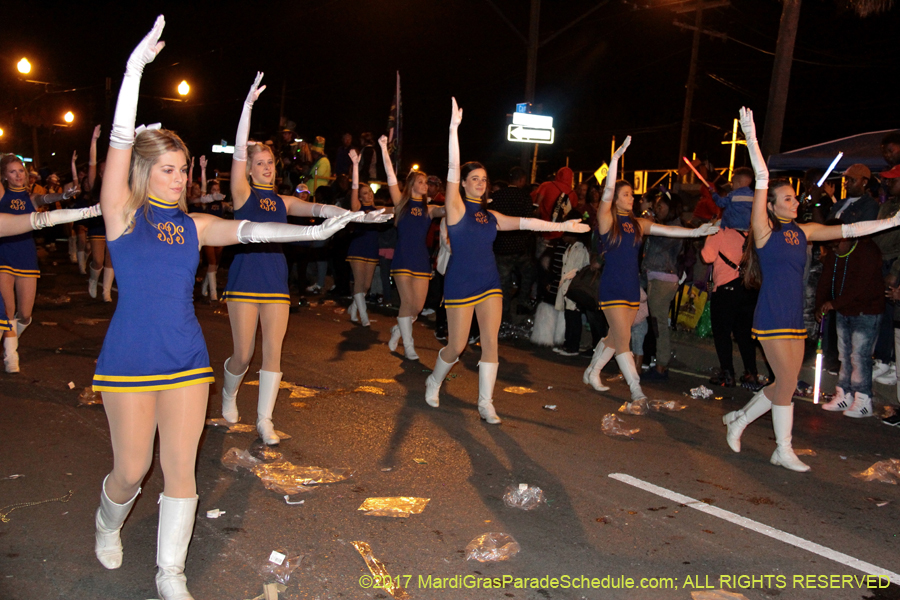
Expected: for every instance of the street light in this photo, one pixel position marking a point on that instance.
(183, 88)
(415, 167)
(69, 117)
(24, 66)
(1, 132)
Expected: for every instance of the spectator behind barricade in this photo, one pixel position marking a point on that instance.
(889, 244)
(575, 258)
(732, 308)
(340, 191)
(514, 250)
(286, 151)
(890, 148)
(549, 323)
(34, 183)
(816, 202)
(858, 205)
(342, 156)
(852, 285)
(593, 199)
(368, 162)
(435, 190)
(586, 211)
(639, 330)
(320, 169)
(554, 200)
(736, 204)
(661, 267)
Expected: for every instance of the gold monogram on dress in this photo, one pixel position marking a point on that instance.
(628, 227)
(792, 238)
(268, 204)
(17, 204)
(415, 211)
(482, 218)
(170, 233)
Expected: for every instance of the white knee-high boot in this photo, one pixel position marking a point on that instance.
(269, 383)
(353, 311)
(738, 420)
(108, 276)
(409, 349)
(783, 423)
(176, 524)
(229, 393)
(204, 287)
(395, 336)
(629, 372)
(82, 261)
(92, 281)
(487, 378)
(11, 353)
(360, 300)
(602, 355)
(434, 381)
(108, 520)
(21, 325)
(211, 281)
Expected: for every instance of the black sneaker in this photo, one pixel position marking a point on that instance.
(654, 375)
(893, 421)
(440, 335)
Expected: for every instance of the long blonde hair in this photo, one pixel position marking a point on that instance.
(402, 208)
(615, 230)
(148, 146)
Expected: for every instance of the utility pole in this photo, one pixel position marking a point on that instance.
(534, 29)
(691, 82)
(781, 78)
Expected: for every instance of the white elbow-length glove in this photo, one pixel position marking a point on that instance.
(243, 130)
(760, 170)
(354, 158)
(42, 199)
(453, 163)
(571, 226)
(329, 211)
(386, 157)
(683, 232)
(39, 220)
(250, 232)
(610, 187)
(122, 134)
(855, 230)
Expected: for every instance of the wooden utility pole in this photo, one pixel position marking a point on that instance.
(781, 78)
(534, 31)
(691, 83)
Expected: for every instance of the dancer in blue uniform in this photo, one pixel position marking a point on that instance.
(23, 224)
(472, 282)
(257, 289)
(18, 255)
(153, 370)
(211, 198)
(620, 293)
(774, 262)
(87, 197)
(411, 266)
(362, 253)
(101, 262)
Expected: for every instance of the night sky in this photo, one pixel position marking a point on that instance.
(619, 71)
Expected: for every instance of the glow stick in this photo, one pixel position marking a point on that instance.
(818, 385)
(831, 167)
(696, 172)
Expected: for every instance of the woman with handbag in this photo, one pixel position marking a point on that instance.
(621, 233)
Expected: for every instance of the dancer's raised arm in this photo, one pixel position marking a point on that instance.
(604, 215)
(240, 187)
(452, 200)
(759, 215)
(92, 159)
(116, 191)
(393, 187)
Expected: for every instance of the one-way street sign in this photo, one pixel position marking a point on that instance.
(531, 135)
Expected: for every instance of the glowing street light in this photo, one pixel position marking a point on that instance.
(183, 88)
(69, 117)
(24, 66)
(1, 132)
(415, 167)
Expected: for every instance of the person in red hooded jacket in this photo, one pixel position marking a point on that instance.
(554, 199)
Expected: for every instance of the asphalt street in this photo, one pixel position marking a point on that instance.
(352, 403)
